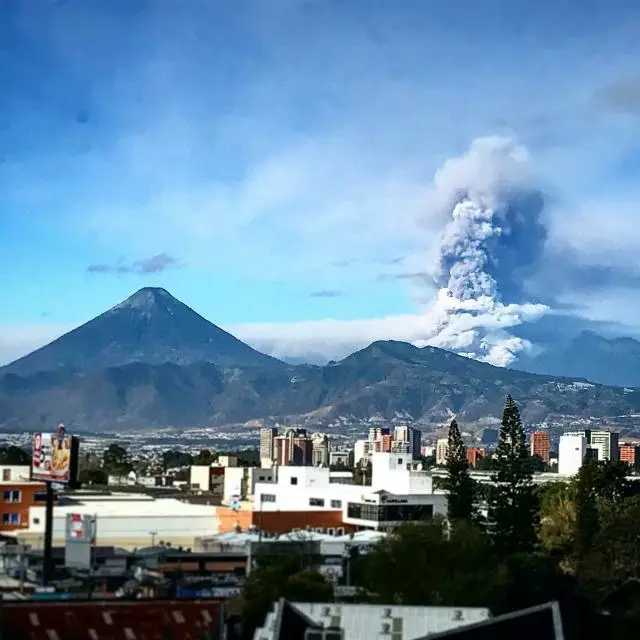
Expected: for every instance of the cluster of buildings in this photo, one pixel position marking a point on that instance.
(297, 447)
(576, 447)
(402, 440)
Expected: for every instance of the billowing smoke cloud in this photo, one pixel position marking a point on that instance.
(493, 240)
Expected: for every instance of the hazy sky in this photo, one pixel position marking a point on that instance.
(271, 162)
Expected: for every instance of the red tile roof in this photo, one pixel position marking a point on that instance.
(141, 620)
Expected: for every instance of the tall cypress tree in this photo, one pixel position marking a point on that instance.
(513, 503)
(458, 483)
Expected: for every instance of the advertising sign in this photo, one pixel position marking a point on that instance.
(54, 457)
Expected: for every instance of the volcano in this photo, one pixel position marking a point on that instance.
(150, 327)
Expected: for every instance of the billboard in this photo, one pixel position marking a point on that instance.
(54, 457)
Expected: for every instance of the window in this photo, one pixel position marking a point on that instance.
(294, 480)
(336, 504)
(316, 502)
(267, 497)
(10, 518)
(12, 495)
(390, 512)
(39, 496)
(399, 460)
(36, 521)
(6, 475)
(261, 478)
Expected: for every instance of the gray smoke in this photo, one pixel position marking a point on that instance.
(494, 239)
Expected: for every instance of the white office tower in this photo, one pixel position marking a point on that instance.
(361, 451)
(442, 449)
(607, 443)
(571, 453)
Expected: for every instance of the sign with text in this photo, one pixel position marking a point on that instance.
(54, 457)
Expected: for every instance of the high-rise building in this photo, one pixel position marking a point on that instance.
(540, 445)
(267, 436)
(629, 453)
(442, 449)
(293, 448)
(474, 455)
(361, 451)
(407, 440)
(320, 450)
(571, 453)
(607, 443)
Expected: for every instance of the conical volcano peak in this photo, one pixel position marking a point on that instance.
(146, 299)
(151, 326)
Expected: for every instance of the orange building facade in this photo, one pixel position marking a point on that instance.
(629, 453)
(280, 521)
(15, 501)
(540, 445)
(474, 454)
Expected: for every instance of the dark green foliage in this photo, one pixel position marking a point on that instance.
(283, 576)
(13, 455)
(513, 505)
(458, 483)
(173, 459)
(116, 461)
(587, 519)
(421, 565)
(93, 476)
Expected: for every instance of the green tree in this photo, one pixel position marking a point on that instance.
(276, 577)
(513, 503)
(116, 461)
(557, 518)
(173, 459)
(458, 483)
(93, 476)
(421, 564)
(587, 522)
(205, 458)
(13, 455)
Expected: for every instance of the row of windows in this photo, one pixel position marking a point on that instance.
(267, 497)
(320, 502)
(390, 512)
(10, 518)
(12, 495)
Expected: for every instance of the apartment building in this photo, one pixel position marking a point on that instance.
(541, 445)
(442, 449)
(294, 447)
(267, 437)
(607, 443)
(18, 495)
(474, 455)
(629, 453)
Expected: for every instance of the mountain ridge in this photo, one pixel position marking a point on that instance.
(151, 361)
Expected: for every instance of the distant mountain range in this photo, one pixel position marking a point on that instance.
(151, 361)
(589, 355)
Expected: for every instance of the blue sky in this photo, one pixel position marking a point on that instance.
(280, 155)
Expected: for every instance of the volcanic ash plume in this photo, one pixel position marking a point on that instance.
(492, 243)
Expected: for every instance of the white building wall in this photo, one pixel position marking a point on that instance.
(394, 472)
(15, 473)
(360, 451)
(199, 476)
(571, 452)
(234, 483)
